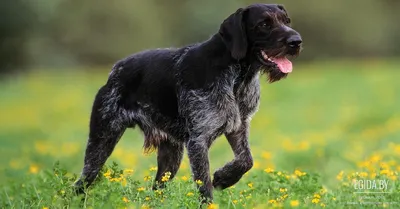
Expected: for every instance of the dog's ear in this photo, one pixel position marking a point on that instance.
(281, 7)
(234, 34)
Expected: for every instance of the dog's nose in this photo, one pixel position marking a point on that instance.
(294, 41)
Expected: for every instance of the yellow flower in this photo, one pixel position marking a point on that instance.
(294, 203)
(184, 178)
(269, 170)
(212, 206)
(317, 196)
(385, 172)
(375, 158)
(153, 168)
(248, 196)
(334, 198)
(107, 174)
(147, 198)
(166, 176)
(33, 169)
(363, 174)
(125, 199)
(266, 155)
(340, 176)
(282, 190)
(199, 182)
(322, 205)
(147, 178)
(234, 202)
(250, 185)
(284, 196)
(159, 192)
(279, 173)
(189, 194)
(45, 208)
(144, 206)
(128, 172)
(299, 173)
(315, 200)
(140, 189)
(272, 201)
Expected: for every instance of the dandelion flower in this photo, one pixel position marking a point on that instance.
(299, 173)
(212, 206)
(128, 172)
(184, 178)
(141, 189)
(269, 170)
(322, 205)
(33, 169)
(107, 174)
(234, 202)
(385, 172)
(147, 198)
(340, 176)
(125, 199)
(190, 194)
(153, 169)
(266, 155)
(294, 203)
(147, 178)
(166, 177)
(315, 200)
(199, 182)
(282, 190)
(272, 201)
(317, 196)
(250, 185)
(144, 206)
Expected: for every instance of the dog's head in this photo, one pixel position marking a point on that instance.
(262, 33)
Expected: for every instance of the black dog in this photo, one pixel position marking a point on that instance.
(189, 96)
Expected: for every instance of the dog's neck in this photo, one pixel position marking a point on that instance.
(216, 48)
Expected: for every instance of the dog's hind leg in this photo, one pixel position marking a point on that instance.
(169, 157)
(106, 128)
(233, 171)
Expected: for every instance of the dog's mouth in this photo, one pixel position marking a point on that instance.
(281, 62)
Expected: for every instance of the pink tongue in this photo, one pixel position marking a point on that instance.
(284, 64)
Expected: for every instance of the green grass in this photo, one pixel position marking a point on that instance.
(316, 133)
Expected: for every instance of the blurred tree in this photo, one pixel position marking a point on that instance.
(16, 19)
(73, 32)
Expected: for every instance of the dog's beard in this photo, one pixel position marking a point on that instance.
(273, 73)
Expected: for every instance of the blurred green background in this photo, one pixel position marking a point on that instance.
(338, 108)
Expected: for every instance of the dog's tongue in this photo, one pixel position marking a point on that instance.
(284, 64)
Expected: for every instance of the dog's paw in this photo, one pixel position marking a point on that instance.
(219, 181)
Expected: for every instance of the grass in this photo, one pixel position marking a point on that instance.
(316, 137)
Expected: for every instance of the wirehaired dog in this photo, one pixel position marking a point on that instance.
(187, 97)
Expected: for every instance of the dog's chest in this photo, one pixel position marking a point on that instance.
(247, 95)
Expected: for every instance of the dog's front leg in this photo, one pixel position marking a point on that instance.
(198, 156)
(233, 171)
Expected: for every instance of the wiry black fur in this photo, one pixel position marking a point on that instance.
(187, 97)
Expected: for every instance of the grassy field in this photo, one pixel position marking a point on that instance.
(319, 136)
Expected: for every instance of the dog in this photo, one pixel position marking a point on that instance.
(187, 97)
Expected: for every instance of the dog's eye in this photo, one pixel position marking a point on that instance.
(264, 25)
